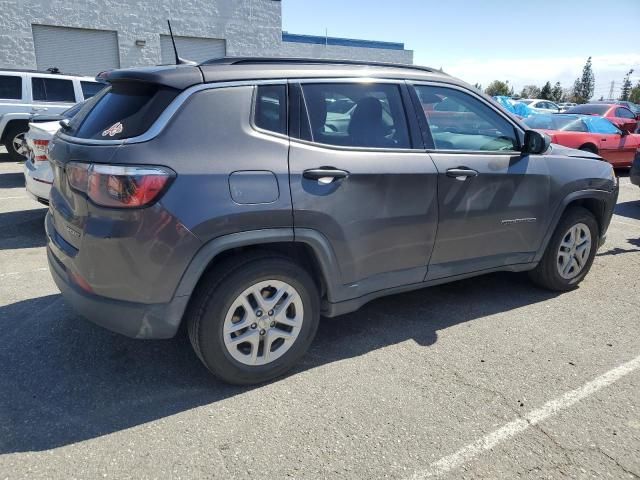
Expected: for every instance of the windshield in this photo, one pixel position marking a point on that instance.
(568, 123)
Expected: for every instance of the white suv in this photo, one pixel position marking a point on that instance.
(24, 93)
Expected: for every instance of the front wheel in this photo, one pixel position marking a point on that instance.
(253, 319)
(570, 252)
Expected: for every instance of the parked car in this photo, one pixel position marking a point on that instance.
(566, 105)
(27, 92)
(38, 174)
(590, 133)
(634, 174)
(540, 106)
(635, 108)
(620, 116)
(197, 201)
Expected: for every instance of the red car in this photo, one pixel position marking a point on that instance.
(590, 133)
(619, 115)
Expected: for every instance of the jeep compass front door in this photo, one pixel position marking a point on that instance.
(492, 200)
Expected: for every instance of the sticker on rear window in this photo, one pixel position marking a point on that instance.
(113, 130)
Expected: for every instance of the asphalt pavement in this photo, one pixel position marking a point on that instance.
(483, 378)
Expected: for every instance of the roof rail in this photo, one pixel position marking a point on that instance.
(309, 61)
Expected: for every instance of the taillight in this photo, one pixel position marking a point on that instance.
(118, 186)
(40, 149)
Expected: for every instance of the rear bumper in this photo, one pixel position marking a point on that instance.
(136, 320)
(38, 181)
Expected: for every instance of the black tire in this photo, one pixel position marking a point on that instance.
(213, 298)
(546, 273)
(11, 133)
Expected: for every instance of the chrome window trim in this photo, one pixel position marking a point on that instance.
(516, 126)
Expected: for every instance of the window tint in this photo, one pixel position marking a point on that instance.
(568, 123)
(271, 108)
(52, 90)
(89, 89)
(467, 124)
(123, 110)
(624, 113)
(10, 87)
(369, 115)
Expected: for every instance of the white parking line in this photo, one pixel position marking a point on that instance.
(626, 223)
(2, 275)
(469, 452)
(14, 198)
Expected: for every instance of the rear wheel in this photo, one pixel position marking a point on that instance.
(15, 142)
(570, 251)
(252, 319)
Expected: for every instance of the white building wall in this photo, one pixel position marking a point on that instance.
(249, 27)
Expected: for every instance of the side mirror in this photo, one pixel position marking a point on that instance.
(535, 142)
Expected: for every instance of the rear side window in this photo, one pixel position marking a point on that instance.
(369, 115)
(52, 90)
(89, 89)
(123, 110)
(624, 113)
(10, 87)
(271, 108)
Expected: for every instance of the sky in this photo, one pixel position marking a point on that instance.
(524, 42)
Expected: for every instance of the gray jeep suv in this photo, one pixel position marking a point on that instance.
(248, 197)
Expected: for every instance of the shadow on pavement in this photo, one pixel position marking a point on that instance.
(64, 380)
(11, 180)
(617, 250)
(22, 229)
(628, 209)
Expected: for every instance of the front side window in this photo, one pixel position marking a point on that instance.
(271, 108)
(465, 123)
(10, 87)
(356, 115)
(52, 90)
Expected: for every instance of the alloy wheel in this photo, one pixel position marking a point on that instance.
(574, 251)
(20, 144)
(263, 322)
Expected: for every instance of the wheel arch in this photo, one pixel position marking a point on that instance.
(589, 146)
(593, 200)
(11, 122)
(309, 249)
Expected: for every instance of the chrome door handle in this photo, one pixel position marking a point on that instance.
(461, 173)
(39, 109)
(324, 175)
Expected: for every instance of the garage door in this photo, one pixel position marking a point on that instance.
(192, 48)
(75, 50)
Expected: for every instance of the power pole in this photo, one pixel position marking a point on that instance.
(613, 84)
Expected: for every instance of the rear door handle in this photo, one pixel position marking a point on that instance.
(39, 109)
(325, 174)
(461, 173)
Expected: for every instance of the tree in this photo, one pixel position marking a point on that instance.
(498, 87)
(556, 93)
(530, 91)
(584, 85)
(626, 86)
(545, 93)
(634, 96)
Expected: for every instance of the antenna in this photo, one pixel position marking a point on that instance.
(173, 40)
(179, 61)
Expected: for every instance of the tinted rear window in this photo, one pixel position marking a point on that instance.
(589, 109)
(123, 110)
(10, 87)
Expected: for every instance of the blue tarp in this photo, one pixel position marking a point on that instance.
(513, 106)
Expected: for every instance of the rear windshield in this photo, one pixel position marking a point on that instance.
(123, 110)
(589, 109)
